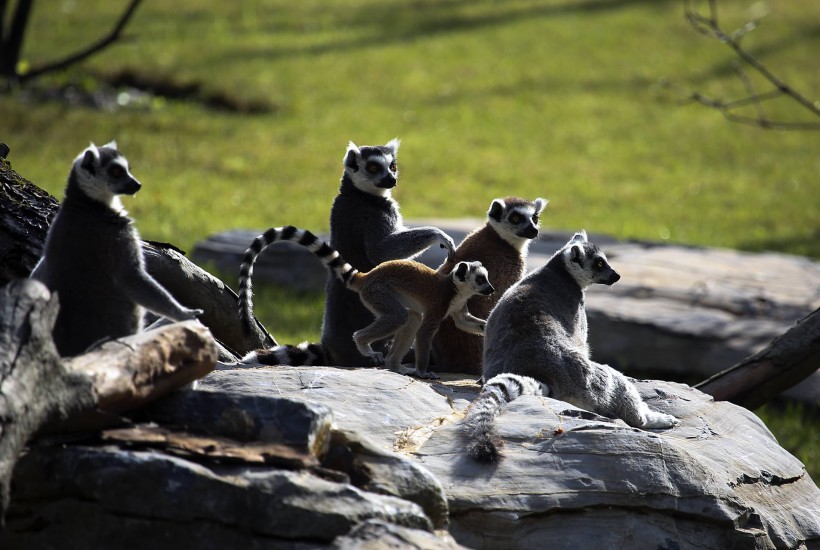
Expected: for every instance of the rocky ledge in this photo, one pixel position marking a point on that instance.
(316, 457)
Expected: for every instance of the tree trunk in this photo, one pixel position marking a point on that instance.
(35, 387)
(759, 378)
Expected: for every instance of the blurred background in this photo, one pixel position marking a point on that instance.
(237, 115)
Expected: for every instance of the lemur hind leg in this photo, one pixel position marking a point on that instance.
(391, 316)
(403, 341)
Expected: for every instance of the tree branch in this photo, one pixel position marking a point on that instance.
(89, 51)
(710, 26)
(757, 379)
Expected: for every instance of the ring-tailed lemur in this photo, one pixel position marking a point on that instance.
(93, 260)
(408, 298)
(539, 329)
(501, 246)
(478, 426)
(367, 229)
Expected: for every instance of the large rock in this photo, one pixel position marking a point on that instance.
(678, 312)
(395, 468)
(107, 497)
(719, 479)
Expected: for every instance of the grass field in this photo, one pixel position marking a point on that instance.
(559, 99)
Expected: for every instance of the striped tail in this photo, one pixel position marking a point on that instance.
(304, 354)
(329, 257)
(478, 426)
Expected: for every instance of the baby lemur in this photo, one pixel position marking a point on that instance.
(367, 229)
(539, 329)
(501, 246)
(408, 298)
(93, 260)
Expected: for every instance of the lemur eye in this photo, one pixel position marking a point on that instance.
(515, 218)
(599, 264)
(373, 167)
(535, 219)
(481, 279)
(116, 171)
(393, 166)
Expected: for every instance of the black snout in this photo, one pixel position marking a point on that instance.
(614, 278)
(130, 187)
(487, 291)
(530, 232)
(387, 182)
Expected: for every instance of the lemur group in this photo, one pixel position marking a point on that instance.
(478, 313)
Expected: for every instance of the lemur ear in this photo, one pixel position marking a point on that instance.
(91, 158)
(352, 156)
(576, 254)
(461, 271)
(496, 209)
(111, 144)
(540, 204)
(393, 145)
(580, 237)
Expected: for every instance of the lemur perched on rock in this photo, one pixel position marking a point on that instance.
(501, 246)
(408, 298)
(367, 229)
(93, 260)
(539, 329)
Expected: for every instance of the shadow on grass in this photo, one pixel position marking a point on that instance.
(425, 19)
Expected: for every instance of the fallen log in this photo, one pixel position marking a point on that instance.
(129, 372)
(197, 288)
(35, 386)
(759, 378)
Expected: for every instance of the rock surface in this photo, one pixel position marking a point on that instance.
(393, 468)
(720, 478)
(678, 312)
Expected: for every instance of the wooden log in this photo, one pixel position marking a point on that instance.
(196, 288)
(35, 387)
(757, 379)
(130, 372)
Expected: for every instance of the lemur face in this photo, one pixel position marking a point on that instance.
(472, 277)
(373, 169)
(516, 220)
(587, 263)
(103, 173)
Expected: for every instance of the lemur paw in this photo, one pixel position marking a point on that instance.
(193, 313)
(447, 242)
(378, 358)
(658, 420)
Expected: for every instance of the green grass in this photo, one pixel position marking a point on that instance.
(559, 99)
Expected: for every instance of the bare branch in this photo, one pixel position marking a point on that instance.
(113, 36)
(710, 26)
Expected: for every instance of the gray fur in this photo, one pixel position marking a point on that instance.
(93, 258)
(478, 426)
(539, 329)
(367, 229)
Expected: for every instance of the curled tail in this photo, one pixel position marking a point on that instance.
(478, 426)
(304, 354)
(329, 257)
